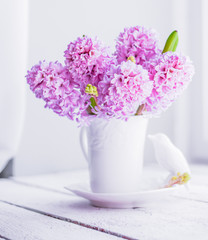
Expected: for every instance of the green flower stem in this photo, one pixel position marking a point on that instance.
(93, 104)
(140, 109)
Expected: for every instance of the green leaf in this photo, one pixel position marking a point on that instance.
(93, 102)
(171, 43)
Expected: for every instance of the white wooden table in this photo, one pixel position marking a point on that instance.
(39, 208)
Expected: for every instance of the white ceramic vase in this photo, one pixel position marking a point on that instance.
(114, 152)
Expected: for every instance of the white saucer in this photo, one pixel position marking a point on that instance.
(121, 200)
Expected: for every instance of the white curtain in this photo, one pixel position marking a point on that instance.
(13, 45)
(191, 111)
(205, 69)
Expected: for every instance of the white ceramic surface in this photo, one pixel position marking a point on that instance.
(123, 200)
(168, 155)
(114, 152)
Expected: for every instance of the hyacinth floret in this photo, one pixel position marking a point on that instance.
(124, 87)
(139, 42)
(170, 74)
(87, 60)
(53, 83)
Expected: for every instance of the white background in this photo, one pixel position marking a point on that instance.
(50, 143)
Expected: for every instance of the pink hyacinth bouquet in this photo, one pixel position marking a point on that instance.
(137, 79)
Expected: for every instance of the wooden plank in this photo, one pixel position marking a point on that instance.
(56, 182)
(170, 219)
(17, 224)
(4, 238)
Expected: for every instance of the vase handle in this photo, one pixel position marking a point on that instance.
(82, 136)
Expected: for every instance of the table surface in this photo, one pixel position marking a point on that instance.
(39, 208)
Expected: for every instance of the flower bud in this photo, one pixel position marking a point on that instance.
(132, 58)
